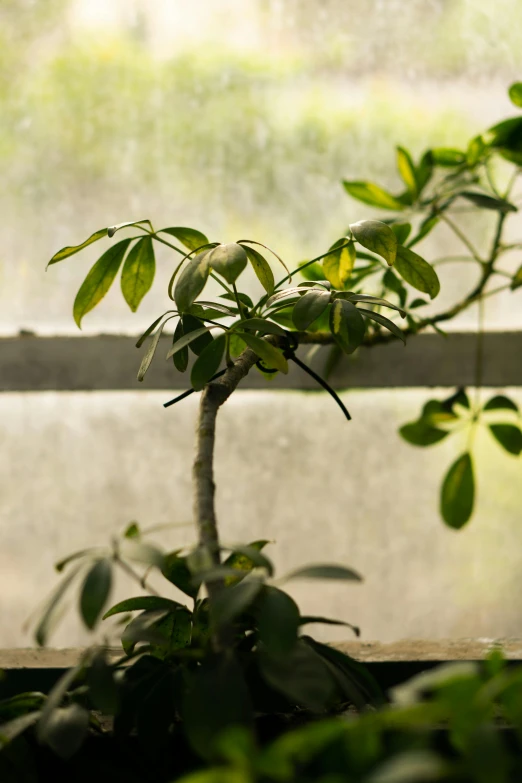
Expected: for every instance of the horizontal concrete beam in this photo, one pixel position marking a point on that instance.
(405, 651)
(110, 362)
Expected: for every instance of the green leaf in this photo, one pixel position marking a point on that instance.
(488, 202)
(70, 250)
(311, 271)
(233, 601)
(184, 341)
(148, 554)
(383, 321)
(49, 615)
(241, 559)
(324, 571)
(516, 281)
(375, 300)
(148, 331)
(141, 603)
(310, 307)
(338, 266)
(424, 171)
(99, 280)
(509, 437)
(95, 592)
(406, 169)
(500, 402)
(417, 272)
(191, 281)
(412, 766)
(128, 223)
(271, 356)
(87, 553)
(206, 717)
(401, 231)
(190, 324)
(12, 729)
(261, 267)
(180, 357)
(447, 156)
(208, 362)
(377, 237)
(149, 355)
(425, 227)
(65, 730)
(132, 531)
(311, 619)
(260, 325)
(515, 94)
(138, 272)
(228, 261)
(476, 150)
(103, 690)
(301, 675)
(420, 433)
(372, 194)
(187, 236)
(458, 492)
(277, 620)
(346, 325)
(177, 572)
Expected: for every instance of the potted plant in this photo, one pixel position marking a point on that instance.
(231, 661)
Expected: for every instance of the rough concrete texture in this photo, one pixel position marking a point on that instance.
(77, 467)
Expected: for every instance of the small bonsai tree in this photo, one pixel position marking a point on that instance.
(236, 652)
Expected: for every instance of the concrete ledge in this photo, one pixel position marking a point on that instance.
(110, 362)
(407, 651)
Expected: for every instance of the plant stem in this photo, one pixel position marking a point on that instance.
(214, 395)
(134, 575)
(463, 238)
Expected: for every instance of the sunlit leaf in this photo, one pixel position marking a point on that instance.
(70, 250)
(383, 321)
(476, 150)
(377, 237)
(424, 171)
(310, 307)
(99, 280)
(259, 325)
(458, 492)
(208, 362)
(515, 94)
(406, 169)
(338, 266)
(447, 156)
(372, 194)
(417, 272)
(187, 236)
(271, 356)
(346, 325)
(509, 436)
(516, 281)
(191, 281)
(261, 267)
(95, 592)
(242, 560)
(138, 272)
(228, 261)
(113, 229)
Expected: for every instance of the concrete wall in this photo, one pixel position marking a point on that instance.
(78, 466)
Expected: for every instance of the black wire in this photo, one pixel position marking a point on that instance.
(321, 382)
(191, 391)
